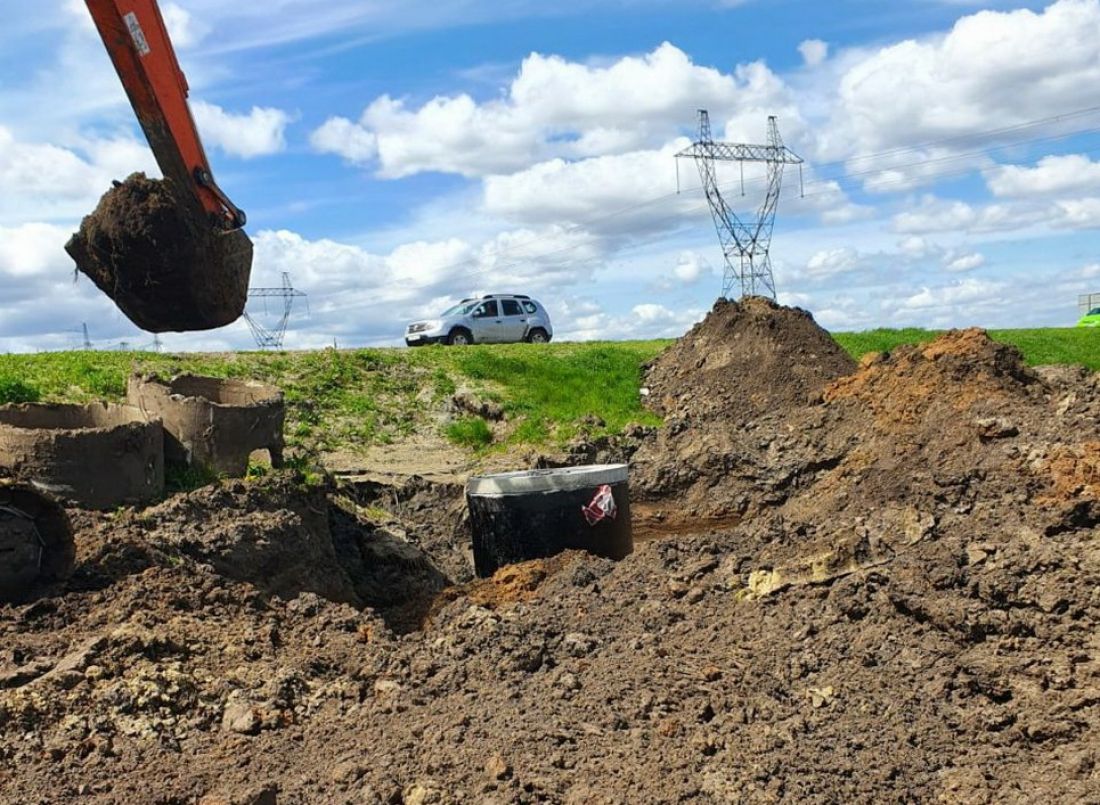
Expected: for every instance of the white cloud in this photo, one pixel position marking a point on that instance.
(354, 291)
(961, 263)
(967, 291)
(261, 132)
(585, 320)
(183, 29)
(915, 246)
(814, 52)
(45, 182)
(832, 262)
(691, 267)
(555, 108)
(340, 136)
(991, 69)
(932, 214)
(31, 250)
(558, 190)
(1082, 213)
(1052, 174)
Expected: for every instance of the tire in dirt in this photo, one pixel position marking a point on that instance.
(519, 516)
(36, 542)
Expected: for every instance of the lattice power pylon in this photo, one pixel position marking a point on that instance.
(746, 246)
(273, 339)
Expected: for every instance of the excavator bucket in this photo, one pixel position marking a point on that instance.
(171, 253)
(163, 264)
(36, 542)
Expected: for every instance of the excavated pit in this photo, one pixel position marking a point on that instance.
(165, 265)
(884, 589)
(98, 456)
(213, 423)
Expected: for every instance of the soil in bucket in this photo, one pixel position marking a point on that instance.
(165, 265)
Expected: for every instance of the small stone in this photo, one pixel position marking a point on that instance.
(994, 428)
(819, 697)
(497, 767)
(239, 716)
(977, 553)
(422, 794)
(348, 772)
(695, 595)
(577, 644)
(386, 687)
(80, 658)
(569, 681)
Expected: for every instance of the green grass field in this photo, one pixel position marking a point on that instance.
(370, 396)
(1062, 345)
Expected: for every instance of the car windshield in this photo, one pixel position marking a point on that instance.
(459, 309)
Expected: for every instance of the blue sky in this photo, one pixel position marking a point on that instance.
(396, 156)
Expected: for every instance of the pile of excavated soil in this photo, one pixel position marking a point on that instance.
(734, 393)
(164, 265)
(913, 618)
(745, 359)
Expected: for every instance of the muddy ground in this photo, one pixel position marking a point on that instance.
(872, 583)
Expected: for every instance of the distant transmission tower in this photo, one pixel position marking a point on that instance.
(273, 339)
(745, 245)
(87, 341)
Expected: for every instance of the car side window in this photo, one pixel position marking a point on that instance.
(511, 308)
(530, 307)
(486, 310)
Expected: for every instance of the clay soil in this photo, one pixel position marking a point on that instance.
(891, 592)
(161, 261)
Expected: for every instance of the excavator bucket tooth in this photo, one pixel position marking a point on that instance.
(161, 258)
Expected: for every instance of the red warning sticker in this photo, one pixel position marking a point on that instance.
(602, 506)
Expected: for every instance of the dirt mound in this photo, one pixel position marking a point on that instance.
(740, 394)
(744, 359)
(165, 266)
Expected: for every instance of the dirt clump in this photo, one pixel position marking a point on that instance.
(163, 262)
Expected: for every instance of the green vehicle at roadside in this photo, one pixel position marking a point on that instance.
(1090, 319)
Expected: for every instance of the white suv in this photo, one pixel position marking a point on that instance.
(493, 319)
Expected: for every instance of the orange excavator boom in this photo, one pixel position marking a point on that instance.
(171, 253)
(138, 43)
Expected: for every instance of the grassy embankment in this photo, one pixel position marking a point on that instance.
(341, 400)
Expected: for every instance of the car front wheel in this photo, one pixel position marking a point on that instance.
(460, 338)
